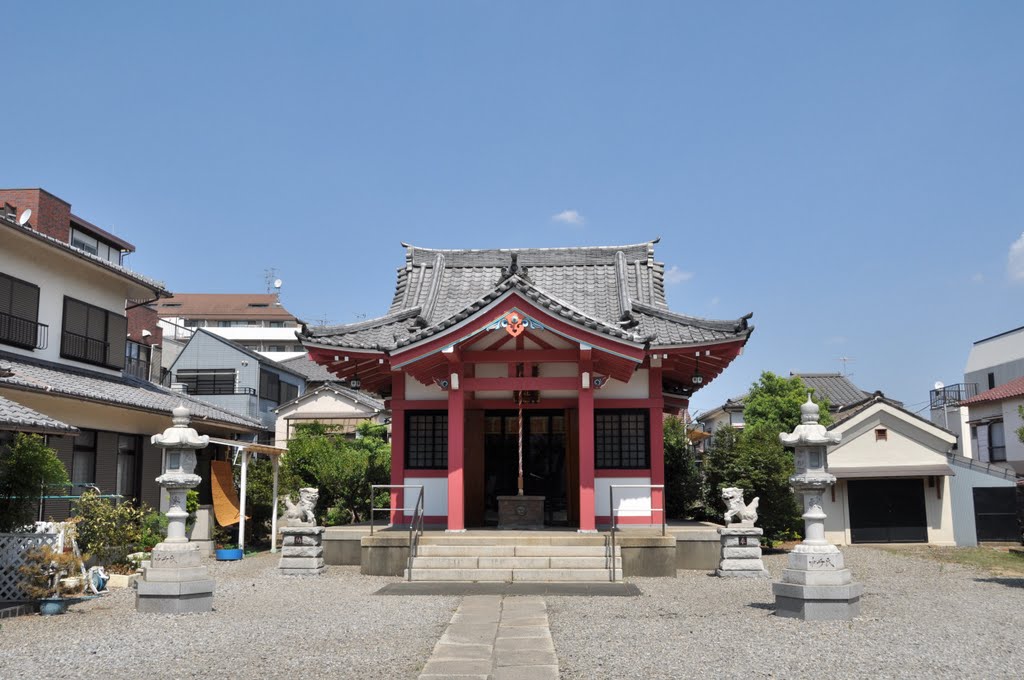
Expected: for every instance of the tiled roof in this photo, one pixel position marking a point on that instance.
(44, 376)
(313, 371)
(347, 392)
(1014, 388)
(835, 387)
(15, 416)
(157, 287)
(224, 306)
(850, 410)
(615, 290)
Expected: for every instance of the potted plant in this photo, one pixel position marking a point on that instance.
(227, 550)
(52, 578)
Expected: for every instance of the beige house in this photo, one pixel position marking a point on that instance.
(330, 404)
(893, 477)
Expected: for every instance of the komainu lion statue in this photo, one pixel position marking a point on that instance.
(733, 498)
(301, 512)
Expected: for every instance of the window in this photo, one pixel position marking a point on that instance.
(276, 324)
(93, 334)
(127, 457)
(207, 380)
(288, 392)
(620, 439)
(270, 386)
(136, 362)
(426, 440)
(94, 246)
(277, 348)
(881, 434)
(996, 442)
(991, 381)
(19, 313)
(83, 461)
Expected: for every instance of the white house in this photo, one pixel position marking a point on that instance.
(331, 404)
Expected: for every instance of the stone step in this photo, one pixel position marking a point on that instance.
(432, 538)
(513, 575)
(432, 562)
(514, 550)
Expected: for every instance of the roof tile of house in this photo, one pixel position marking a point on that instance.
(15, 416)
(36, 375)
(224, 306)
(1014, 388)
(618, 291)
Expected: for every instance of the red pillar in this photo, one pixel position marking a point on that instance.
(397, 445)
(657, 426)
(586, 438)
(456, 455)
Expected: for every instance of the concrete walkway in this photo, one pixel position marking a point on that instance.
(495, 638)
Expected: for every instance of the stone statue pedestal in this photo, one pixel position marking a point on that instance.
(741, 552)
(175, 582)
(816, 587)
(520, 512)
(302, 551)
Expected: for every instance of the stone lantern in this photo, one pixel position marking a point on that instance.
(814, 586)
(176, 581)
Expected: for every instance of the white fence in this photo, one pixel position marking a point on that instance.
(12, 555)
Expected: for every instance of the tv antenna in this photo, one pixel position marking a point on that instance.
(844, 361)
(273, 283)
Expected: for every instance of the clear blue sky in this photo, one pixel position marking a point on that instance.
(850, 173)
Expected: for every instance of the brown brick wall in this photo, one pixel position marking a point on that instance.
(50, 215)
(144, 318)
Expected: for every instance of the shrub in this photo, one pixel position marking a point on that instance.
(27, 467)
(682, 480)
(43, 569)
(109, 530)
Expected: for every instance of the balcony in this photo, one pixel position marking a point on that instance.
(137, 368)
(83, 348)
(952, 395)
(23, 332)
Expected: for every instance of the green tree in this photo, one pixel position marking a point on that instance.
(754, 459)
(27, 468)
(682, 479)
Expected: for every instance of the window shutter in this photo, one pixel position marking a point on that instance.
(117, 339)
(6, 287)
(24, 301)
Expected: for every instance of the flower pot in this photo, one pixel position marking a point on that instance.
(229, 554)
(52, 606)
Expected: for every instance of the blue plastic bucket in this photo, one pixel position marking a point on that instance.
(229, 554)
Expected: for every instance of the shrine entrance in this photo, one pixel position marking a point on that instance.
(545, 447)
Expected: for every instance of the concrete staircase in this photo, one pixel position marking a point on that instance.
(579, 559)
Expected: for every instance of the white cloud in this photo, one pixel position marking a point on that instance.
(569, 217)
(978, 278)
(675, 275)
(1015, 266)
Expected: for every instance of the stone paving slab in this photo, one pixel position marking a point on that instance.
(523, 588)
(474, 647)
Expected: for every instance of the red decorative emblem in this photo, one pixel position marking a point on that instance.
(514, 323)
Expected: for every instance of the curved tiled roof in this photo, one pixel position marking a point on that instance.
(18, 417)
(1014, 388)
(37, 375)
(618, 291)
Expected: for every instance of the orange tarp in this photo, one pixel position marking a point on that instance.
(225, 498)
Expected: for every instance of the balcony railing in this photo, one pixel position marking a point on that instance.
(138, 368)
(23, 332)
(75, 346)
(952, 395)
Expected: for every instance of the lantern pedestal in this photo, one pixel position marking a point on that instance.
(741, 553)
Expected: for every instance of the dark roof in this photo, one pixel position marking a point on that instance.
(36, 375)
(102, 233)
(224, 306)
(252, 354)
(1014, 388)
(347, 392)
(618, 291)
(313, 371)
(836, 387)
(18, 417)
(157, 287)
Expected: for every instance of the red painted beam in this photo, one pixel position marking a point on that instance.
(493, 384)
(519, 356)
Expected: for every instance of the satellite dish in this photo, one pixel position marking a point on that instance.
(939, 384)
(25, 217)
(277, 283)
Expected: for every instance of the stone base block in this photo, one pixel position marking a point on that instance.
(316, 571)
(817, 577)
(743, 573)
(824, 561)
(520, 512)
(302, 551)
(741, 565)
(818, 602)
(301, 563)
(739, 553)
(154, 574)
(174, 597)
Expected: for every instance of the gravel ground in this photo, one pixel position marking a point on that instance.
(919, 618)
(263, 625)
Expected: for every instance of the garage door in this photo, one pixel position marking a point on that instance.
(995, 514)
(887, 511)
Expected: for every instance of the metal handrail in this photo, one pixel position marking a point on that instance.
(17, 331)
(415, 524)
(612, 512)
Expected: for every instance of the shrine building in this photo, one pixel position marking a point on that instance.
(580, 341)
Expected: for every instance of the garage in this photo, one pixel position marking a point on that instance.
(887, 510)
(995, 514)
